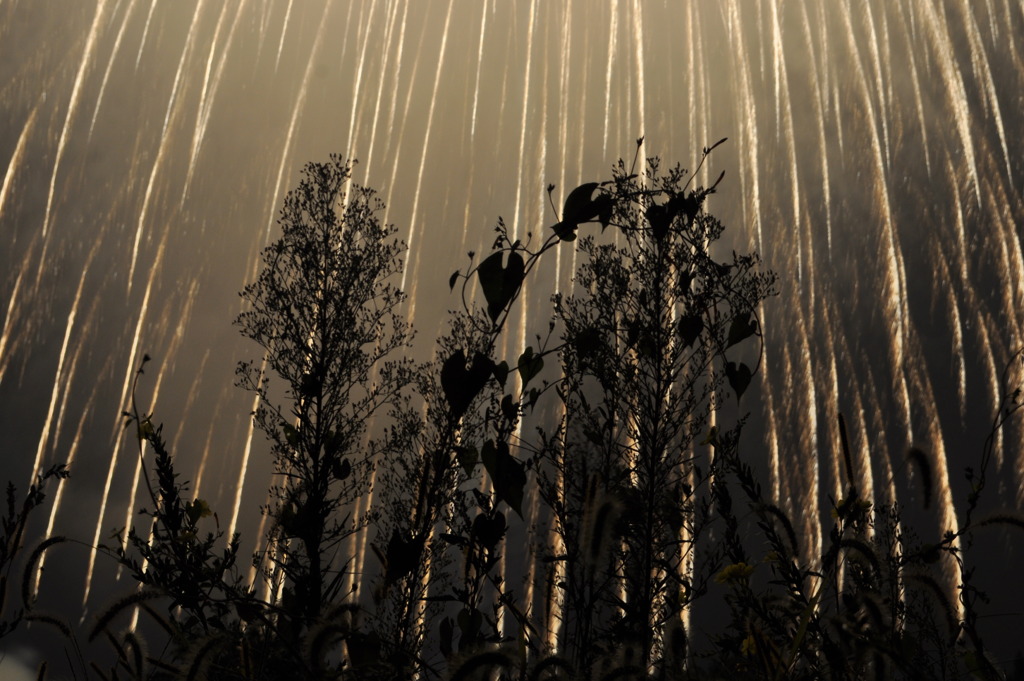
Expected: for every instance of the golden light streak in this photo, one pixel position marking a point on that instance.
(414, 213)
(145, 33)
(284, 32)
(954, 88)
(613, 38)
(130, 369)
(237, 505)
(983, 74)
(289, 139)
(59, 376)
(76, 94)
(389, 29)
(110, 66)
(211, 81)
(16, 161)
(750, 185)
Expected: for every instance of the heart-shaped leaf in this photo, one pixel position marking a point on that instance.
(467, 458)
(447, 631)
(489, 529)
(659, 218)
(529, 365)
(501, 373)
(690, 328)
(743, 326)
(460, 384)
(507, 475)
(509, 409)
(739, 377)
(500, 282)
(470, 622)
(403, 556)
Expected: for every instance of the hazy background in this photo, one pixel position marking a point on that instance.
(874, 160)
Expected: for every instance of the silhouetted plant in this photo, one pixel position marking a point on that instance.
(652, 338)
(174, 555)
(326, 316)
(12, 526)
(652, 504)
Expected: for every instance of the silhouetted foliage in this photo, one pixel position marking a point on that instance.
(12, 525)
(327, 318)
(651, 340)
(635, 501)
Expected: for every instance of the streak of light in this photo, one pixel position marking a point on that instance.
(244, 464)
(385, 64)
(810, 447)
(786, 121)
(413, 215)
(76, 94)
(479, 69)
(922, 126)
(209, 94)
(394, 150)
(130, 369)
(936, 452)
(613, 40)
(882, 107)
(12, 303)
(133, 488)
(750, 185)
(193, 392)
(58, 495)
(954, 88)
(110, 66)
(355, 117)
(300, 101)
(162, 150)
(145, 33)
(58, 379)
(893, 286)
(5, 335)
(641, 87)
(284, 31)
(955, 322)
(983, 73)
(820, 101)
(15, 163)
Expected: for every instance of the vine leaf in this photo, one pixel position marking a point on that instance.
(507, 474)
(501, 373)
(460, 384)
(403, 556)
(743, 326)
(580, 206)
(739, 377)
(509, 409)
(500, 282)
(489, 529)
(690, 328)
(529, 365)
(467, 458)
